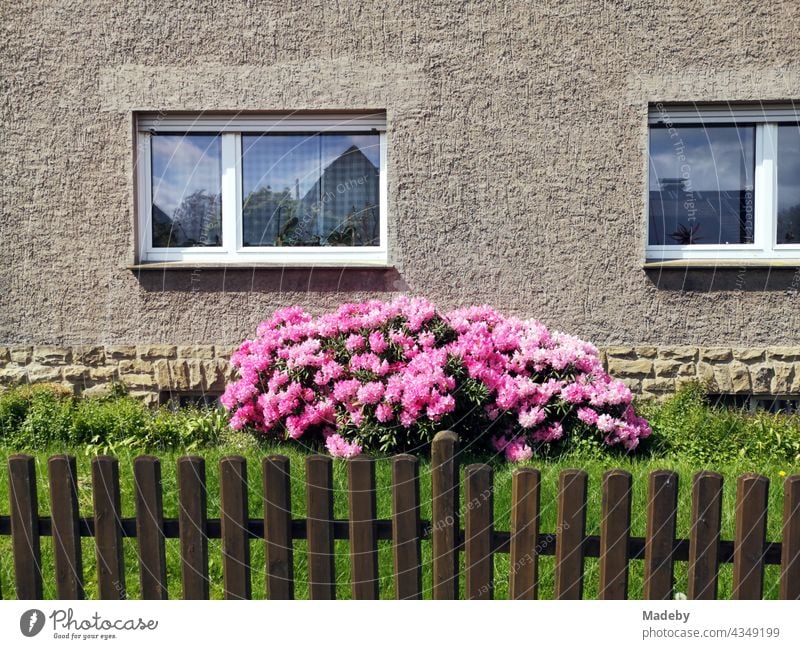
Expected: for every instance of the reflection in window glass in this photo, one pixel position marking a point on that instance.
(186, 190)
(311, 190)
(788, 184)
(701, 185)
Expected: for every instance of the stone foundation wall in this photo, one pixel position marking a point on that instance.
(149, 370)
(659, 371)
(145, 370)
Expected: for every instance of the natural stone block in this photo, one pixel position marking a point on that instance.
(782, 380)
(103, 373)
(4, 354)
(89, 355)
(705, 372)
(151, 352)
(149, 398)
(783, 354)
(716, 354)
(37, 372)
(680, 381)
(740, 378)
(224, 351)
(120, 352)
(748, 355)
(135, 367)
(658, 385)
(678, 353)
(21, 355)
(97, 391)
(665, 368)
(196, 351)
(179, 375)
(216, 373)
(620, 352)
(635, 385)
(646, 352)
(722, 378)
(619, 368)
(139, 380)
(196, 374)
(171, 375)
(761, 379)
(75, 372)
(49, 355)
(13, 375)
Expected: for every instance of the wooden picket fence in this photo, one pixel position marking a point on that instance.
(615, 547)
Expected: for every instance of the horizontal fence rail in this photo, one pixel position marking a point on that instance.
(477, 539)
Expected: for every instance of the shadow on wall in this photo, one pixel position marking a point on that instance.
(248, 280)
(755, 280)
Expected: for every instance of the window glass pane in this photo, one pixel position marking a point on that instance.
(186, 190)
(310, 190)
(701, 185)
(788, 184)
(278, 172)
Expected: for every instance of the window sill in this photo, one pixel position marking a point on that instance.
(188, 265)
(720, 263)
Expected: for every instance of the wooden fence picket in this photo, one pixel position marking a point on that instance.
(752, 491)
(790, 548)
(662, 505)
(25, 526)
(363, 527)
(192, 523)
(278, 527)
(615, 527)
(479, 528)
(524, 535)
(319, 526)
(150, 527)
(67, 557)
(108, 527)
(445, 520)
(406, 528)
(705, 535)
(234, 519)
(572, 485)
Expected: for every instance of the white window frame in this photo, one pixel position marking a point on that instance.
(766, 119)
(231, 128)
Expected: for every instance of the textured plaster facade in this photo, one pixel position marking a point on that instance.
(517, 161)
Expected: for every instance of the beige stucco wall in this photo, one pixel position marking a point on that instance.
(516, 158)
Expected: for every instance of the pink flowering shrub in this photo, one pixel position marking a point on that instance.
(387, 376)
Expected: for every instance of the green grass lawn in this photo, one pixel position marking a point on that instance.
(594, 466)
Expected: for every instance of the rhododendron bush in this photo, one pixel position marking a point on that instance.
(388, 376)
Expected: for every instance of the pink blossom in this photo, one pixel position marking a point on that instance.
(518, 451)
(338, 447)
(587, 416)
(532, 417)
(377, 343)
(370, 392)
(297, 380)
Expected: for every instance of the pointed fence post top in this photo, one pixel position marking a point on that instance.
(444, 446)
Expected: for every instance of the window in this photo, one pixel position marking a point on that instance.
(724, 182)
(304, 189)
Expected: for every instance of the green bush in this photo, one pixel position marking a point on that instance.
(687, 425)
(45, 416)
(101, 422)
